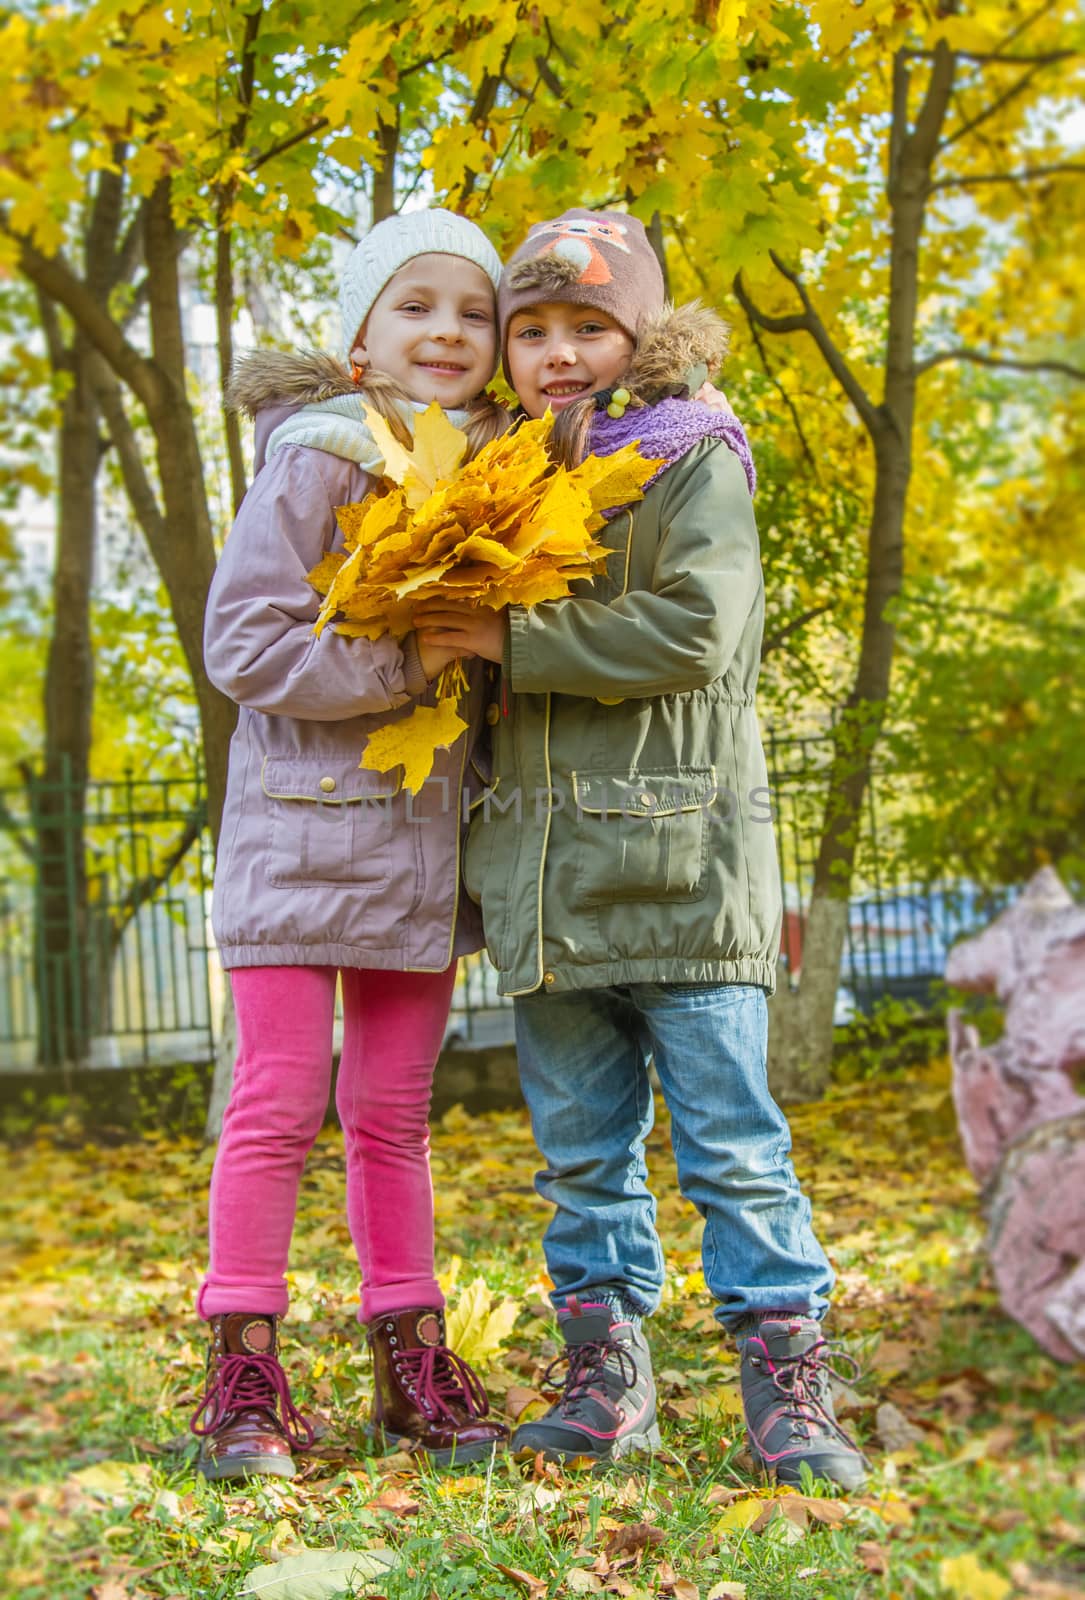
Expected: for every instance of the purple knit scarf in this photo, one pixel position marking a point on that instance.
(670, 429)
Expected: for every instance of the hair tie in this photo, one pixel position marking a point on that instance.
(612, 401)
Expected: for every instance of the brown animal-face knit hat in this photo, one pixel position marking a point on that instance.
(600, 259)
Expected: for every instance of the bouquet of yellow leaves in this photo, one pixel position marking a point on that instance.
(508, 528)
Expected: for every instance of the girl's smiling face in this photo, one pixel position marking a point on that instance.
(433, 328)
(558, 352)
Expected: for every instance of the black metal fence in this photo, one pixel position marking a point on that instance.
(106, 956)
(902, 916)
(104, 943)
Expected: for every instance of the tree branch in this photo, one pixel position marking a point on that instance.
(1026, 175)
(980, 359)
(137, 483)
(139, 892)
(992, 110)
(59, 357)
(53, 277)
(10, 823)
(551, 80)
(1003, 58)
(479, 115)
(773, 641)
(288, 144)
(809, 322)
(782, 392)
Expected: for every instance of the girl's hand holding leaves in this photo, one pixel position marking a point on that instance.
(507, 528)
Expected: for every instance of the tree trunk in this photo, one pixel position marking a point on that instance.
(806, 1020)
(186, 551)
(224, 320)
(383, 193)
(799, 1019)
(57, 796)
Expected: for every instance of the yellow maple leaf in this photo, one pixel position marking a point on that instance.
(617, 479)
(481, 548)
(476, 1327)
(324, 573)
(739, 1515)
(412, 742)
(964, 1579)
(397, 458)
(365, 522)
(354, 629)
(437, 451)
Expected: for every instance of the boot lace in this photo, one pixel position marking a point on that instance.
(440, 1382)
(586, 1363)
(250, 1383)
(803, 1383)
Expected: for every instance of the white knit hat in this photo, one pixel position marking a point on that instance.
(394, 242)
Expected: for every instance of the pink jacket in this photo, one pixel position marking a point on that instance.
(322, 863)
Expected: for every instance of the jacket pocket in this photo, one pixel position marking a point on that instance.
(642, 835)
(329, 822)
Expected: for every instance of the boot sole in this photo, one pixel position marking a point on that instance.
(631, 1444)
(439, 1458)
(788, 1482)
(247, 1467)
(459, 1454)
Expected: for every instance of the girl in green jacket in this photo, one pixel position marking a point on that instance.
(625, 865)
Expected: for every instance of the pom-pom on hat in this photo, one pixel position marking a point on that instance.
(394, 242)
(589, 258)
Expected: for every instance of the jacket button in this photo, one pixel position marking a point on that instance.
(327, 784)
(493, 714)
(645, 799)
(548, 977)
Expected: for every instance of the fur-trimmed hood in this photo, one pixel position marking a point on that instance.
(263, 378)
(674, 347)
(309, 398)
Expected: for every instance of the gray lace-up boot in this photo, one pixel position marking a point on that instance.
(787, 1367)
(607, 1405)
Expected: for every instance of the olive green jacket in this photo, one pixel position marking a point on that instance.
(627, 837)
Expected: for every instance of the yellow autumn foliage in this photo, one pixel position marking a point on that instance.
(507, 528)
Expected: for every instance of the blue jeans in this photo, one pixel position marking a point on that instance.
(584, 1067)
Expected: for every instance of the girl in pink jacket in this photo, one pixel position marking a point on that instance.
(326, 870)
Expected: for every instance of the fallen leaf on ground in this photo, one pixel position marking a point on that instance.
(873, 1557)
(965, 1579)
(398, 1501)
(534, 1587)
(894, 1430)
(317, 1574)
(741, 1514)
(579, 1581)
(114, 1480)
(518, 1399)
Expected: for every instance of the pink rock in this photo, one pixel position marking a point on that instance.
(1033, 958)
(998, 1102)
(1021, 1119)
(1037, 1235)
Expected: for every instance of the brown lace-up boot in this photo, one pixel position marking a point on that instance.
(246, 1422)
(424, 1392)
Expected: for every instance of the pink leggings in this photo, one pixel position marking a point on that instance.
(393, 1026)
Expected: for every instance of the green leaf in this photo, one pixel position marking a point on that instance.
(317, 1574)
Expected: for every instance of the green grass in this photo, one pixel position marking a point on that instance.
(102, 1362)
